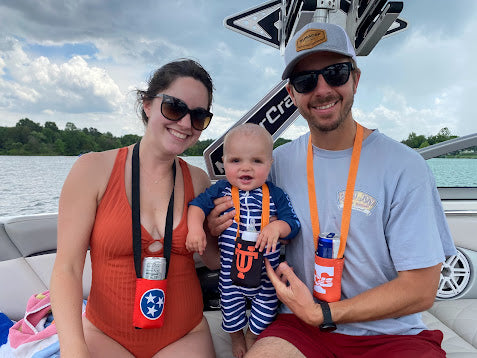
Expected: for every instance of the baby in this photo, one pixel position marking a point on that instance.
(247, 162)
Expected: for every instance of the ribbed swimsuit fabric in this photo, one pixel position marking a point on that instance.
(110, 303)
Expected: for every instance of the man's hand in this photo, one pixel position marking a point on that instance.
(294, 293)
(216, 222)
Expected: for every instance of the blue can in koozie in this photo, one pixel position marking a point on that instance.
(328, 244)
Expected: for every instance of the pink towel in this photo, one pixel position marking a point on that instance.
(29, 335)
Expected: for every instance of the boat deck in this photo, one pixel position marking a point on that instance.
(28, 246)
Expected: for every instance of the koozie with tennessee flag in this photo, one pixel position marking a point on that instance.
(149, 303)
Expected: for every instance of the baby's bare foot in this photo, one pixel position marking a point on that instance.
(239, 347)
(250, 339)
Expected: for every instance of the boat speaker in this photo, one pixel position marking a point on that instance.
(455, 276)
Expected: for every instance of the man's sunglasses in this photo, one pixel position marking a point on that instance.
(335, 75)
(174, 109)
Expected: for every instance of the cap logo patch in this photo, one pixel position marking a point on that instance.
(309, 39)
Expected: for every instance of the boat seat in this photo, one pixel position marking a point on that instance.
(27, 253)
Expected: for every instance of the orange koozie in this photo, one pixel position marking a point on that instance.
(149, 303)
(327, 286)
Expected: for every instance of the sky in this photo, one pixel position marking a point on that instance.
(81, 61)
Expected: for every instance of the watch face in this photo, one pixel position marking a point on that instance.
(327, 327)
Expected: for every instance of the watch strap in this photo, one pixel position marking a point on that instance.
(328, 325)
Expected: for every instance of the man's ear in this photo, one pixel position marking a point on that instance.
(356, 76)
(289, 88)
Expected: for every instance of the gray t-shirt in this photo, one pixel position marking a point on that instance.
(397, 221)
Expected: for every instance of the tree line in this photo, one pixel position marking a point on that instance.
(31, 138)
(420, 141)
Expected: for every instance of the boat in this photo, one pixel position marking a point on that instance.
(28, 247)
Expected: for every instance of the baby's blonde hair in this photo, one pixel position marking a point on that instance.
(249, 130)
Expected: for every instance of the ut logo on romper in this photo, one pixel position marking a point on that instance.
(246, 270)
(323, 278)
(244, 259)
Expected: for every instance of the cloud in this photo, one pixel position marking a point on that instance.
(37, 84)
(81, 61)
(421, 80)
(223, 119)
(128, 42)
(397, 118)
(298, 128)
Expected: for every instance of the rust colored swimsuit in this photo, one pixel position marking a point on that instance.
(110, 303)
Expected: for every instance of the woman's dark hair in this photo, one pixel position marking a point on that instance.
(165, 75)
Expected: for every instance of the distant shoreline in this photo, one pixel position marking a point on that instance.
(462, 156)
(470, 156)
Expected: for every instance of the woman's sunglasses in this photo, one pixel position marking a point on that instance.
(335, 75)
(174, 109)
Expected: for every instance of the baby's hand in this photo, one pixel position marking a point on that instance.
(268, 237)
(196, 241)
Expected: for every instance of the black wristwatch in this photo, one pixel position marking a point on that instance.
(328, 325)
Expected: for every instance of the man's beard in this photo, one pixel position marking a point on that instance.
(333, 125)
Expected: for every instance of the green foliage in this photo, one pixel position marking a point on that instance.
(280, 141)
(30, 138)
(198, 148)
(129, 139)
(421, 141)
(27, 123)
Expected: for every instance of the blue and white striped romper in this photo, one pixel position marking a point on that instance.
(233, 298)
(264, 301)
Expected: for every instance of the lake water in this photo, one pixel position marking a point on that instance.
(32, 185)
(454, 172)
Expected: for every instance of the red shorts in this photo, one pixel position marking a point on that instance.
(316, 344)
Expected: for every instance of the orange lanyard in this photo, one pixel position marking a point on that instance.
(265, 206)
(348, 201)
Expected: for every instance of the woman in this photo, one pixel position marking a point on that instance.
(95, 212)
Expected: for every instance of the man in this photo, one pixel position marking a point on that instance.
(393, 223)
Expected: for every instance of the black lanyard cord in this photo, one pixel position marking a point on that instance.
(136, 215)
